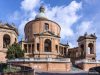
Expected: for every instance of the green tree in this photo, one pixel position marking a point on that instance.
(14, 51)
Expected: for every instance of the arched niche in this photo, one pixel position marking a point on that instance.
(47, 45)
(90, 48)
(82, 50)
(6, 40)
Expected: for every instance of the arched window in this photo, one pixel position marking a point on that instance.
(90, 48)
(56, 48)
(6, 41)
(46, 26)
(47, 45)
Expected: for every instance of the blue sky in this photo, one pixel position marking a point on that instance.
(74, 16)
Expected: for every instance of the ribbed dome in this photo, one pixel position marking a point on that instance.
(41, 14)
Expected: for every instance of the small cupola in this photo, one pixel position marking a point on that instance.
(41, 14)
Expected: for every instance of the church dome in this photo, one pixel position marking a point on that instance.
(41, 14)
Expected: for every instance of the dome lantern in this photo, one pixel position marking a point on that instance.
(42, 8)
(41, 14)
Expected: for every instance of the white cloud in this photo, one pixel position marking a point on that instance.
(66, 16)
(85, 26)
(29, 5)
(90, 27)
(98, 49)
(21, 27)
(31, 16)
(15, 16)
(91, 2)
(71, 45)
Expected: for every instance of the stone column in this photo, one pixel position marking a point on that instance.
(31, 48)
(94, 47)
(53, 45)
(1, 40)
(40, 45)
(59, 49)
(58, 53)
(67, 50)
(86, 49)
(41, 48)
(63, 50)
(27, 47)
(35, 45)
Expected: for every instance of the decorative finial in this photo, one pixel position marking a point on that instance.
(85, 34)
(13, 25)
(67, 43)
(94, 33)
(41, 14)
(42, 8)
(0, 22)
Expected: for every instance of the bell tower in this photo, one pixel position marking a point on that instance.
(87, 46)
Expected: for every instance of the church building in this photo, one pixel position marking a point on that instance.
(42, 39)
(43, 49)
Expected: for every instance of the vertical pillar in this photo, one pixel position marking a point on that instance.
(27, 47)
(58, 49)
(41, 48)
(1, 41)
(53, 45)
(63, 50)
(42, 45)
(94, 47)
(35, 45)
(67, 50)
(31, 48)
(86, 49)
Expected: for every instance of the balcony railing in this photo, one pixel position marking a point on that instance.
(40, 60)
(87, 61)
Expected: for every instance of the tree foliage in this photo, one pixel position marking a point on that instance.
(14, 51)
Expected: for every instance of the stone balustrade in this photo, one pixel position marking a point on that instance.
(40, 60)
(87, 61)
